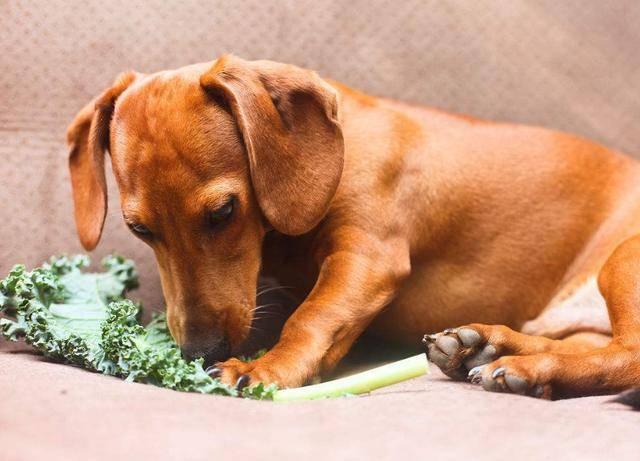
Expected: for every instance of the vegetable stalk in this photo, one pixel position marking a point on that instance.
(359, 383)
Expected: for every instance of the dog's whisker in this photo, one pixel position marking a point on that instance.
(271, 314)
(267, 290)
(268, 317)
(261, 307)
(276, 312)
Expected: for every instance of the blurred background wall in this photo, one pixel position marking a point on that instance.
(572, 65)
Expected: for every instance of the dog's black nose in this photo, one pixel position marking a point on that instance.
(211, 350)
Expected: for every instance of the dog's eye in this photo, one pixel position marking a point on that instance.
(220, 214)
(139, 229)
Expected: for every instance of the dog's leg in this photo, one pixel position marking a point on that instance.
(352, 287)
(556, 368)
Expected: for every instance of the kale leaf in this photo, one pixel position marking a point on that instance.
(85, 319)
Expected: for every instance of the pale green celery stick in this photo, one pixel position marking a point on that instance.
(359, 383)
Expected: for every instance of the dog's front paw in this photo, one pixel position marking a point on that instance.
(241, 374)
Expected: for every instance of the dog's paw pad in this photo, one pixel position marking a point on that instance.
(516, 384)
(485, 355)
(469, 337)
(448, 344)
(457, 350)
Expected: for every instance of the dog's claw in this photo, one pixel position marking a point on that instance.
(428, 339)
(475, 374)
(213, 371)
(242, 382)
(500, 371)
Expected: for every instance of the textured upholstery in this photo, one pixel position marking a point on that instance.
(559, 64)
(60, 413)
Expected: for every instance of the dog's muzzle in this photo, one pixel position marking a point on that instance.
(212, 350)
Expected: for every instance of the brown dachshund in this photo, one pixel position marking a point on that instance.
(386, 217)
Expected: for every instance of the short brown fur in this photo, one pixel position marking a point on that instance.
(387, 217)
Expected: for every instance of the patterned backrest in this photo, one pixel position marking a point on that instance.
(571, 65)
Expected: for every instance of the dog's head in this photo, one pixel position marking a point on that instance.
(209, 158)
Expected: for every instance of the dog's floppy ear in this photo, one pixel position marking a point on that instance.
(88, 140)
(288, 118)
